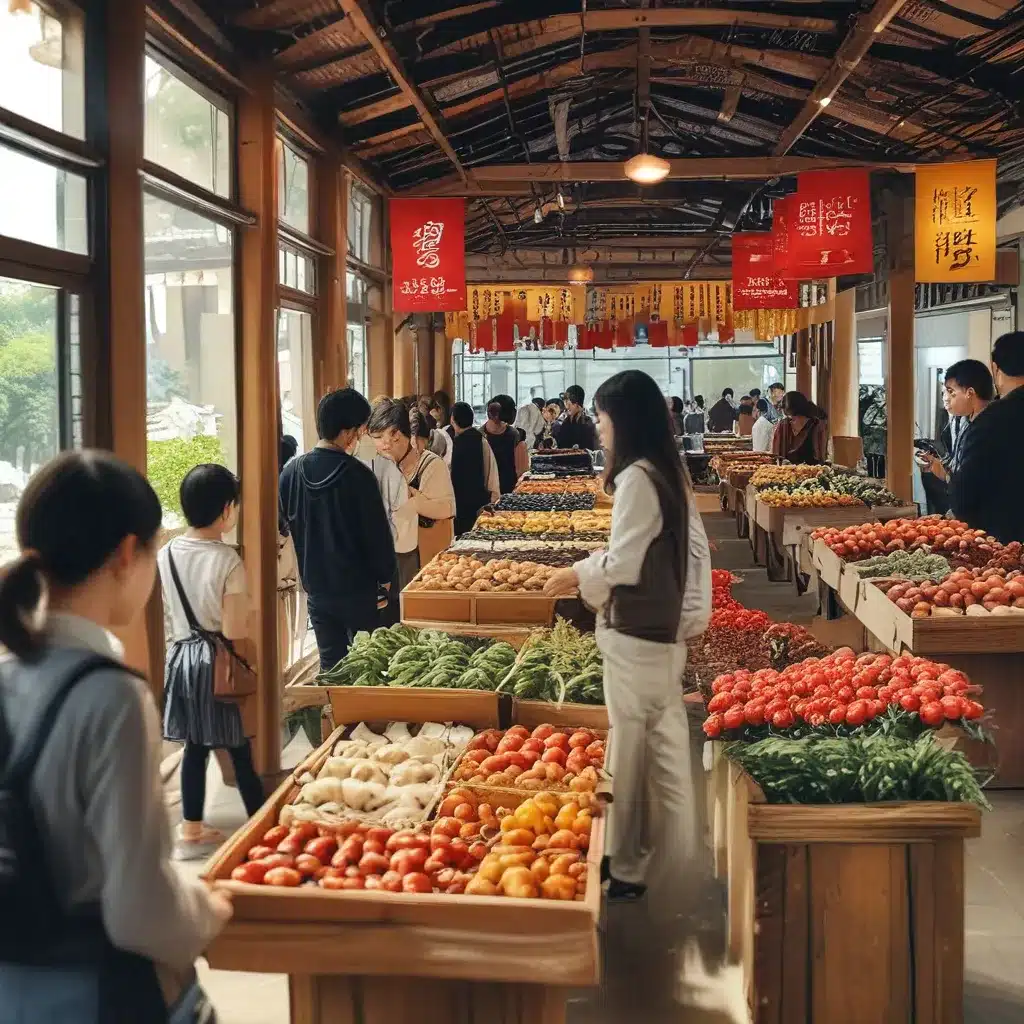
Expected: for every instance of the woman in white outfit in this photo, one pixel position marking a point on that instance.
(652, 592)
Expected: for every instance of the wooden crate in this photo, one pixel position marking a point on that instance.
(334, 943)
(851, 913)
(532, 713)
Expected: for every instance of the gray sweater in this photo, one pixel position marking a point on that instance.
(98, 800)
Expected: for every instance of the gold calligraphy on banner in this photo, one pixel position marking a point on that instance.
(955, 222)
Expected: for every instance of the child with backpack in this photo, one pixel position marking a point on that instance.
(97, 928)
(205, 596)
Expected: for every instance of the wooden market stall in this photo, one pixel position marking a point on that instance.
(851, 913)
(989, 648)
(386, 958)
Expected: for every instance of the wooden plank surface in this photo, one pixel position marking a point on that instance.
(796, 936)
(924, 887)
(896, 822)
(948, 898)
(770, 927)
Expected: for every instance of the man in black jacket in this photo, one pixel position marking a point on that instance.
(723, 414)
(577, 430)
(337, 520)
(985, 491)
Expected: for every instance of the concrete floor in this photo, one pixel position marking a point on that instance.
(633, 968)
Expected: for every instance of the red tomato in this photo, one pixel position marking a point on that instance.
(286, 877)
(721, 702)
(713, 726)
(534, 744)
(857, 713)
(509, 743)
(275, 835)
(974, 710)
(417, 882)
(259, 852)
(353, 883)
(372, 882)
(932, 713)
(554, 755)
(734, 718)
(379, 835)
(373, 846)
(323, 848)
(307, 864)
(837, 715)
(405, 861)
(277, 860)
(377, 863)
(391, 881)
(783, 718)
(251, 872)
(754, 712)
(557, 739)
(953, 707)
(910, 702)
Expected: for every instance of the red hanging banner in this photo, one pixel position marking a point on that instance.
(754, 283)
(428, 255)
(782, 225)
(831, 224)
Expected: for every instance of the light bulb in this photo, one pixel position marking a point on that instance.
(646, 169)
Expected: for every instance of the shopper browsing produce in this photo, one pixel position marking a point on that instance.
(204, 588)
(802, 437)
(474, 470)
(94, 842)
(968, 392)
(577, 429)
(695, 422)
(336, 517)
(506, 443)
(722, 416)
(652, 589)
(402, 436)
(763, 430)
(984, 490)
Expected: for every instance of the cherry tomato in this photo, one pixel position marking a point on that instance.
(857, 713)
(932, 713)
(713, 726)
(783, 718)
(286, 877)
(909, 702)
(251, 872)
(953, 707)
(837, 716)
(734, 718)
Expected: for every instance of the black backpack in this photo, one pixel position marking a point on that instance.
(27, 894)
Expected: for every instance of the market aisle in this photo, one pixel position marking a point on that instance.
(994, 937)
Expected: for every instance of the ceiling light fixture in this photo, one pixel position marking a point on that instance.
(538, 214)
(581, 275)
(560, 199)
(825, 101)
(646, 169)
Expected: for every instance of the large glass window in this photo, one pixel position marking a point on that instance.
(41, 58)
(355, 332)
(41, 203)
(188, 129)
(296, 270)
(190, 346)
(362, 223)
(29, 393)
(294, 375)
(292, 187)
(712, 376)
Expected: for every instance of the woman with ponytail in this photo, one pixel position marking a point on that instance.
(97, 927)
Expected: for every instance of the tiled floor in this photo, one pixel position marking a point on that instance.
(995, 900)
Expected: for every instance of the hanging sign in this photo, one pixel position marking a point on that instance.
(955, 222)
(782, 223)
(754, 282)
(428, 254)
(830, 232)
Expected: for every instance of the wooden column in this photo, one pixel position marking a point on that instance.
(899, 385)
(330, 369)
(442, 359)
(899, 349)
(845, 382)
(803, 361)
(124, 302)
(380, 344)
(258, 393)
(404, 355)
(425, 355)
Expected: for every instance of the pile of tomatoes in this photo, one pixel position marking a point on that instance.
(949, 537)
(721, 589)
(840, 690)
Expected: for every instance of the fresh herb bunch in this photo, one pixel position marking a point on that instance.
(857, 769)
(916, 565)
(563, 665)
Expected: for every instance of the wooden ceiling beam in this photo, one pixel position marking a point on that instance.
(378, 37)
(560, 28)
(851, 52)
(510, 179)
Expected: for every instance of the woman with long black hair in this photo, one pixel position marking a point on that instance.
(652, 592)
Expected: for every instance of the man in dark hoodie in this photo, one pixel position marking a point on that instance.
(577, 429)
(722, 415)
(343, 542)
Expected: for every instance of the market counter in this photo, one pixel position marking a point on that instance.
(381, 957)
(849, 912)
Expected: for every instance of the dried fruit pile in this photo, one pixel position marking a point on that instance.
(593, 521)
(451, 571)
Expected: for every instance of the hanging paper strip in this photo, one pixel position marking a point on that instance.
(428, 254)
(657, 334)
(782, 224)
(754, 284)
(955, 222)
(505, 331)
(624, 329)
(689, 336)
(726, 334)
(831, 224)
(585, 337)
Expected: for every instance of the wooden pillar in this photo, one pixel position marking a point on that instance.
(899, 349)
(803, 361)
(380, 344)
(425, 355)
(258, 393)
(442, 359)
(899, 385)
(404, 355)
(330, 361)
(124, 302)
(845, 382)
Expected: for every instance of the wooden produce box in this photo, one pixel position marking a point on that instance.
(479, 608)
(851, 913)
(532, 713)
(339, 946)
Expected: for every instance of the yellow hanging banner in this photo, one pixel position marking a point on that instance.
(955, 222)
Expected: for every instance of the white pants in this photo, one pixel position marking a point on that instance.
(653, 811)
